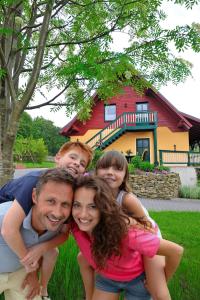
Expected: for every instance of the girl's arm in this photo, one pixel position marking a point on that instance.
(173, 253)
(133, 205)
(11, 229)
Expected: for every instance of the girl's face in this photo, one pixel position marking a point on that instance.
(84, 211)
(113, 176)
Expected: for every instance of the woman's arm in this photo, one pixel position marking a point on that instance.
(11, 229)
(173, 253)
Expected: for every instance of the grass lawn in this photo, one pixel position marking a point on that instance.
(180, 227)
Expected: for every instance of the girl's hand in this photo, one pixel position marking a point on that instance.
(30, 261)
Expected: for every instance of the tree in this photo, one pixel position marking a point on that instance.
(66, 44)
(46, 130)
(25, 125)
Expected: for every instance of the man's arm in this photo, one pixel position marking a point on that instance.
(11, 229)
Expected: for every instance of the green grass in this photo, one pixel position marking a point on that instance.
(183, 228)
(44, 164)
(190, 192)
(180, 227)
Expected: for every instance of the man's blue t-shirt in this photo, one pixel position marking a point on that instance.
(21, 190)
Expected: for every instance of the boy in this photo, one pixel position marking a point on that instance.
(73, 157)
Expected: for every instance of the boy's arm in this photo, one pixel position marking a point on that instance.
(173, 253)
(35, 252)
(11, 229)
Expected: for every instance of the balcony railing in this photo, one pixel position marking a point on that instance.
(123, 122)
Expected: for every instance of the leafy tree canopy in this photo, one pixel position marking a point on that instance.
(48, 44)
(46, 130)
(40, 128)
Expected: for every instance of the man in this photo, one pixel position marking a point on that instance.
(52, 202)
(72, 156)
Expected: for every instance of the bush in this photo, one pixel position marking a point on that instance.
(146, 166)
(131, 169)
(28, 149)
(189, 192)
(136, 161)
(97, 154)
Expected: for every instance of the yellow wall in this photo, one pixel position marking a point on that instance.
(166, 139)
(84, 138)
(128, 141)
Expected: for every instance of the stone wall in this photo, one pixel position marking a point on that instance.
(155, 186)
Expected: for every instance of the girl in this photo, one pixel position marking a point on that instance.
(113, 243)
(113, 167)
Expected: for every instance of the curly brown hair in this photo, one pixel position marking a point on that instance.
(113, 224)
(118, 160)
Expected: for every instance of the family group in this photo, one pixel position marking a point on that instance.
(121, 246)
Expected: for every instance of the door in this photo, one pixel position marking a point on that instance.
(143, 149)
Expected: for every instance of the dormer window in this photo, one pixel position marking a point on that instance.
(110, 112)
(142, 106)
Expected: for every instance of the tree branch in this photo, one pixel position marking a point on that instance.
(38, 57)
(9, 79)
(51, 100)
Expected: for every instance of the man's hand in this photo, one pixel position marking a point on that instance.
(32, 281)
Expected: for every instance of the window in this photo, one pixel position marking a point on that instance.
(110, 112)
(142, 106)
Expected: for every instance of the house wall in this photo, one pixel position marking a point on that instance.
(128, 142)
(126, 102)
(84, 138)
(166, 139)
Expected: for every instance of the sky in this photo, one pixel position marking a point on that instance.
(184, 96)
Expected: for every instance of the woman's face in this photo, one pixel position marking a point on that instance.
(84, 211)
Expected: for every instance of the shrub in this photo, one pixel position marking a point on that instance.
(146, 166)
(136, 161)
(28, 149)
(131, 169)
(189, 192)
(97, 154)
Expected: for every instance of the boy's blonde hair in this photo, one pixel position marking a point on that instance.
(83, 147)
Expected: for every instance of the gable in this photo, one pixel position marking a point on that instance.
(168, 115)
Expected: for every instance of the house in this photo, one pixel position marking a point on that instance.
(148, 125)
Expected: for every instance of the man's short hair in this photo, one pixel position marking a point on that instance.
(84, 147)
(56, 175)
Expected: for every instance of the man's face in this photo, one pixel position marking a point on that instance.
(52, 206)
(74, 161)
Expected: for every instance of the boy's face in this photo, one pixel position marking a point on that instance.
(75, 161)
(52, 206)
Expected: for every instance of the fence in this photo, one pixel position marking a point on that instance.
(188, 158)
